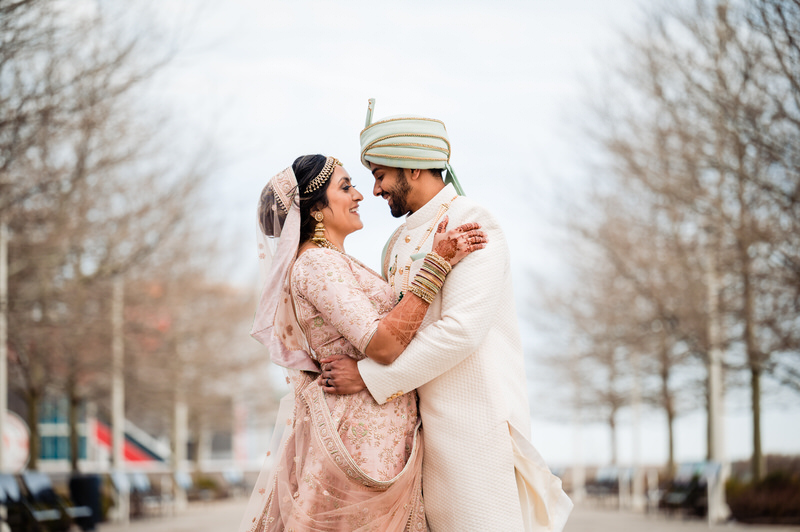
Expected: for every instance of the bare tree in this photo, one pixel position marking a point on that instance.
(85, 193)
(711, 132)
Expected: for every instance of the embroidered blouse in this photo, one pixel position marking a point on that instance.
(339, 302)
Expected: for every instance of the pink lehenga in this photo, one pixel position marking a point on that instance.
(346, 462)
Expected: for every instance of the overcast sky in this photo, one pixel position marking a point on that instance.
(267, 81)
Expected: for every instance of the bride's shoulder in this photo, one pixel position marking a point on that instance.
(319, 258)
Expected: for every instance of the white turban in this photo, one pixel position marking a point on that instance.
(407, 142)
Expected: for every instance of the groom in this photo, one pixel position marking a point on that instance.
(479, 470)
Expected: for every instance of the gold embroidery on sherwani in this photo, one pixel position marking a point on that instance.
(387, 271)
(407, 268)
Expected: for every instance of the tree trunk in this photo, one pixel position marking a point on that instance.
(754, 363)
(668, 403)
(32, 400)
(709, 417)
(757, 463)
(753, 360)
(612, 425)
(74, 439)
(671, 438)
(201, 453)
(670, 411)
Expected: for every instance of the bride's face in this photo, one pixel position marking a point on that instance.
(341, 214)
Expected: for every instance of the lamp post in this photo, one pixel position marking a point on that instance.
(718, 510)
(578, 468)
(638, 499)
(180, 431)
(117, 379)
(3, 331)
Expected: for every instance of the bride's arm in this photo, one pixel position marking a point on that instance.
(396, 330)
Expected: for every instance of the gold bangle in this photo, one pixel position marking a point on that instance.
(426, 284)
(433, 272)
(428, 274)
(437, 259)
(422, 294)
(434, 268)
(429, 278)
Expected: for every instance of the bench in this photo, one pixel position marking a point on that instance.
(22, 514)
(41, 494)
(687, 493)
(143, 498)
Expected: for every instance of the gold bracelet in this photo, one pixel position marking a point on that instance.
(431, 275)
(430, 278)
(439, 261)
(427, 284)
(424, 295)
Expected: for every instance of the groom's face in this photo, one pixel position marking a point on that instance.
(392, 185)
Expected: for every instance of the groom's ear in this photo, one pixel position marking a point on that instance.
(413, 174)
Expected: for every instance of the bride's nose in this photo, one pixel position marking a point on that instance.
(358, 196)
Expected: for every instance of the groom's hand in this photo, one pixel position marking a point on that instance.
(340, 375)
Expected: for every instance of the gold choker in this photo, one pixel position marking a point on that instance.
(325, 243)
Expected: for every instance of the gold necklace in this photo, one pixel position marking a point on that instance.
(443, 208)
(325, 243)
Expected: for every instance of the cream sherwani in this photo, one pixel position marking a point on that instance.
(479, 471)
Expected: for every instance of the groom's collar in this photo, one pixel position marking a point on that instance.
(430, 209)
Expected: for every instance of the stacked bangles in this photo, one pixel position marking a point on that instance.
(430, 279)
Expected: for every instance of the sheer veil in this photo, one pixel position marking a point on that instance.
(275, 324)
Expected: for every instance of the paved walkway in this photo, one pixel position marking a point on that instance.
(214, 516)
(588, 518)
(223, 516)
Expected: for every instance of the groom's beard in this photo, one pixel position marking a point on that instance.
(399, 195)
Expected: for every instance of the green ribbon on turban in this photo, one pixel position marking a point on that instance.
(451, 178)
(407, 142)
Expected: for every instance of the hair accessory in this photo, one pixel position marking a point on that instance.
(324, 175)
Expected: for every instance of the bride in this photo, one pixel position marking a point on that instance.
(344, 462)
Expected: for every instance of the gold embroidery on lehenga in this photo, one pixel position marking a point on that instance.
(352, 437)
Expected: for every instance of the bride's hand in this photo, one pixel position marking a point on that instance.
(455, 244)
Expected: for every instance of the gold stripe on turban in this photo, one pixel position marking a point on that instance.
(406, 142)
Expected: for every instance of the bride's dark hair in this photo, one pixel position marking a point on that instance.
(271, 214)
(305, 169)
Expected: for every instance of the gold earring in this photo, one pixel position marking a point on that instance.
(319, 230)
